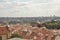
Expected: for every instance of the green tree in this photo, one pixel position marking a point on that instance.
(16, 35)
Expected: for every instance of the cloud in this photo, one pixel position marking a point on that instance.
(25, 0)
(29, 7)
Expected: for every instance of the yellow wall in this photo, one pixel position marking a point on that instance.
(57, 38)
(4, 37)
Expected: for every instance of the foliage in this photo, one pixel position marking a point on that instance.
(52, 25)
(16, 35)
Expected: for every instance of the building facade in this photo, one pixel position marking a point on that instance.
(4, 33)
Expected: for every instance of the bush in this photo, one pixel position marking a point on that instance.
(16, 35)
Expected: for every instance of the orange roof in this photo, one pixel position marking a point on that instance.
(3, 30)
(35, 29)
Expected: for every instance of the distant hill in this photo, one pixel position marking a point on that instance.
(27, 19)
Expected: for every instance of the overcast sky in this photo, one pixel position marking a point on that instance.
(29, 8)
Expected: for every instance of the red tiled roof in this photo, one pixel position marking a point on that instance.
(35, 29)
(3, 30)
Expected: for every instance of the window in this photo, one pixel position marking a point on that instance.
(0, 37)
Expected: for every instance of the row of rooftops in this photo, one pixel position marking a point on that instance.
(4, 29)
